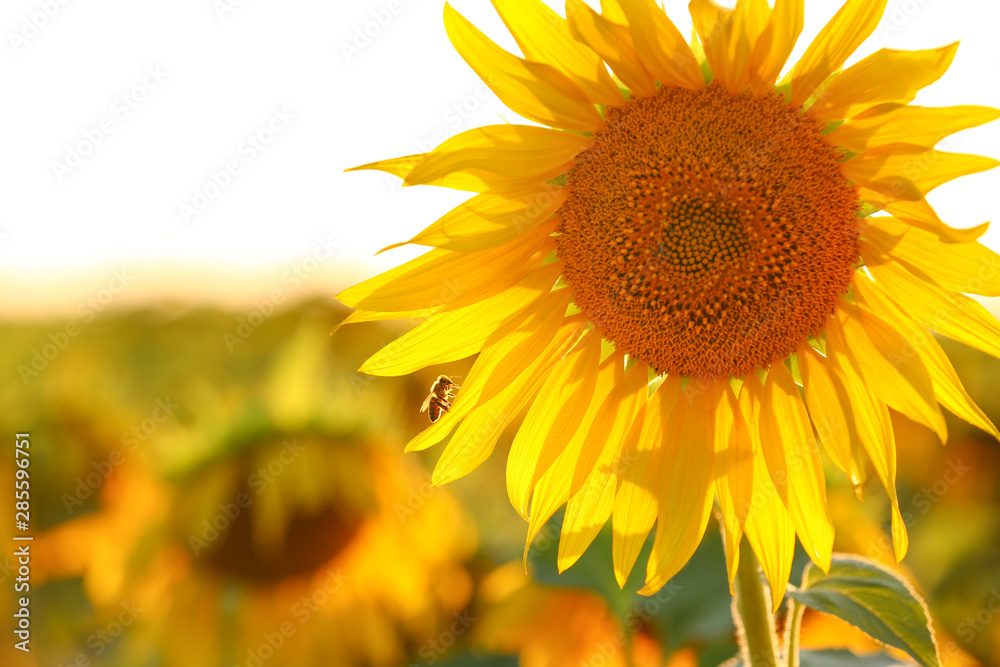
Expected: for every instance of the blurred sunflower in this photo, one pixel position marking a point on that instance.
(292, 528)
(682, 276)
(557, 627)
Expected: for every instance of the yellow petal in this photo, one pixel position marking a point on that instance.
(460, 333)
(734, 482)
(613, 42)
(635, 499)
(919, 126)
(769, 528)
(956, 267)
(900, 171)
(589, 506)
(887, 75)
(544, 37)
(501, 155)
(550, 494)
(612, 11)
(359, 316)
(612, 422)
(501, 363)
(660, 45)
(775, 44)
(729, 36)
(845, 32)
(446, 277)
(553, 487)
(793, 461)
(920, 214)
(714, 24)
(830, 416)
(402, 166)
(586, 513)
(893, 372)
(475, 438)
(752, 18)
(552, 420)
(491, 219)
(950, 314)
(874, 427)
(535, 90)
(948, 389)
(635, 503)
(684, 485)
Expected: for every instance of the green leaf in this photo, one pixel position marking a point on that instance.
(844, 658)
(839, 658)
(873, 599)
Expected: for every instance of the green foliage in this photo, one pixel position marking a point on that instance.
(838, 658)
(873, 599)
(692, 609)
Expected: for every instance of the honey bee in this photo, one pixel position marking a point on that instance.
(440, 397)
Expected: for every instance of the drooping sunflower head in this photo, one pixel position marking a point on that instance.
(682, 275)
(281, 503)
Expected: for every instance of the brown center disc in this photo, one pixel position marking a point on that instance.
(708, 234)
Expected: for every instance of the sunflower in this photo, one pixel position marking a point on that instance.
(292, 529)
(692, 274)
(219, 577)
(549, 626)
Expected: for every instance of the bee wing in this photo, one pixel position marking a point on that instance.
(435, 412)
(427, 403)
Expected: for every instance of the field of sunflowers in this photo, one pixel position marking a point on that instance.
(210, 503)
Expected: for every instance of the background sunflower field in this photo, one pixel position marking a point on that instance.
(213, 482)
(210, 503)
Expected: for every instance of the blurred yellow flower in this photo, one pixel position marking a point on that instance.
(682, 278)
(286, 534)
(223, 570)
(556, 627)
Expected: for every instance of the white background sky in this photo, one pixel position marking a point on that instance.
(227, 66)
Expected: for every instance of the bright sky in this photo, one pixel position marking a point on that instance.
(199, 145)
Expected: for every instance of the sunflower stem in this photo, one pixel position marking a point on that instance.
(794, 622)
(752, 613)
